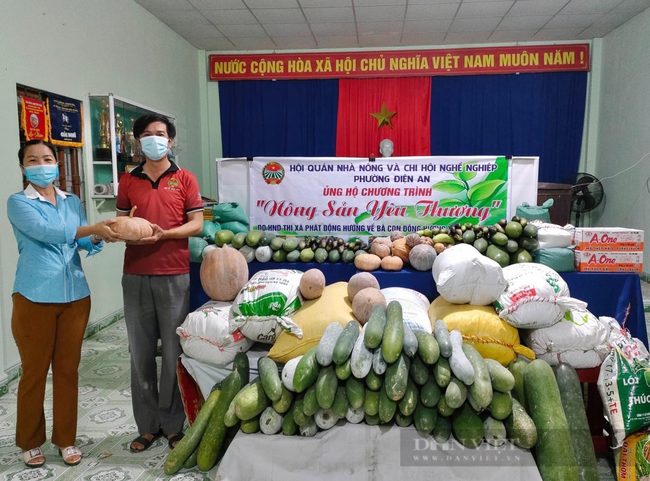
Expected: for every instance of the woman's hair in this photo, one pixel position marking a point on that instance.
(29, 143)
(143, 122)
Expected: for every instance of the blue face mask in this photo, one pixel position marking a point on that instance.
(154, 147)
(42, 175)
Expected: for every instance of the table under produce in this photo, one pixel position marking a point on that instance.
(408, 358)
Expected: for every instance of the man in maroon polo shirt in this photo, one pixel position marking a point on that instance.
(156, 284)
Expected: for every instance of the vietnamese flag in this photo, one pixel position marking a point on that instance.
(358, 133)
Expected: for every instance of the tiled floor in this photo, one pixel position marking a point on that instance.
(106, 424)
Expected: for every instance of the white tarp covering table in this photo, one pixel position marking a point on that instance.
(358, 452)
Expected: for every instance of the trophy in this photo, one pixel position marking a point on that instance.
(103, 152)
(130, 141)
(119, 139)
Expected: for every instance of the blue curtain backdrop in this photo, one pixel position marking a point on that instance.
(281, 118)
(538, 114)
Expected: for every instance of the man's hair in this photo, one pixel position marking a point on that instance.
(143, 122)
(29, 143)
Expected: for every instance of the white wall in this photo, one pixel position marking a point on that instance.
(624, 126)
(76, 47)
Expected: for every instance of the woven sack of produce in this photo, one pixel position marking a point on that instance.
(312, 319)
(560, 259)
(415, 307)
(481, 327)
(264, 306)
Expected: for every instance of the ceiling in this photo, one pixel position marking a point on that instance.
(226, 25)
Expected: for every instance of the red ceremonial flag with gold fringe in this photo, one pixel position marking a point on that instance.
(32, 119)
(370, 110)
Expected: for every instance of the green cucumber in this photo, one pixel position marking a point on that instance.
(424, 418)
(191, 461)
(410, 342)
(520, 427)
(298, 411)
(441, 334)
(326, 387)
(481, 389)
(270, 421)
(327, 342)
(378, 364)
(403, 421)
(309, 429)
(325, 419)
(443, 407)
(574, 410)
(518, 368)
(306, 371)
(270, 377)
(345, 343)
(283, 404)
(468, 427)
(373, 381)
(355, 391)
(215, 432)
(396, 379)
(419, 371)
(371, 403)
(502, 379)
(442, 431)
(372, 419)
(501, 405)
(189, 444)
(250, 426)
(289, 426)
(343, 371)
(375, 327)
(455, 394)
(310, 401)
(230, 419)
(288, 372)
(460, 365)
(427, 347)
(387, 407)
(495, 432)
(554, 452)
(361, 358)
(340, 405)
(393, 339)
(430, 394)
(442, 372)
(252, 401)
(410, 400)
(242, 365)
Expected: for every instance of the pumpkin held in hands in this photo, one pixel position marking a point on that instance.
(132, 228)
(224, 271)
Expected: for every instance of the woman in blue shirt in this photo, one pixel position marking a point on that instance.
(51, 300)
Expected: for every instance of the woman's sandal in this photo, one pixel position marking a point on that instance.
(71, 455)
(146, 443)
(174, 439)
(31, 458)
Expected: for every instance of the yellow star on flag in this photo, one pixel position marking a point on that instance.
(383, 116)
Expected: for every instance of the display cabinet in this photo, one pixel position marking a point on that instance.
(114, 148)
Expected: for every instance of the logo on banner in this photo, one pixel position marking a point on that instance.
(273, 173)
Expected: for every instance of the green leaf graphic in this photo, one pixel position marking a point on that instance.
(484, 190)
(449, 186)
(361, 217)
(502, 170)
(465, 175)
(450, 202)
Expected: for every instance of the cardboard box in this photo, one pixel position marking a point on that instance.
(606, 261)
(614, 239)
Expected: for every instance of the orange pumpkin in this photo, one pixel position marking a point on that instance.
(392, 263)
(401, 249)
(132, 228)
(224, 272)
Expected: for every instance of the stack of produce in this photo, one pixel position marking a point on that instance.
(382, 373)
(555, 250)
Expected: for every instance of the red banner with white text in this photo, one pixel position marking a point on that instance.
(401, 63)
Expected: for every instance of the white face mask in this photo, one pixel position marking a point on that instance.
(154, 147)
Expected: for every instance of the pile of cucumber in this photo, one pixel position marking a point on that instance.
(387, 373)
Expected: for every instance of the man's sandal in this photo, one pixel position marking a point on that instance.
(146, 443)
(174, 439)
(34, 458)
(71, 455)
